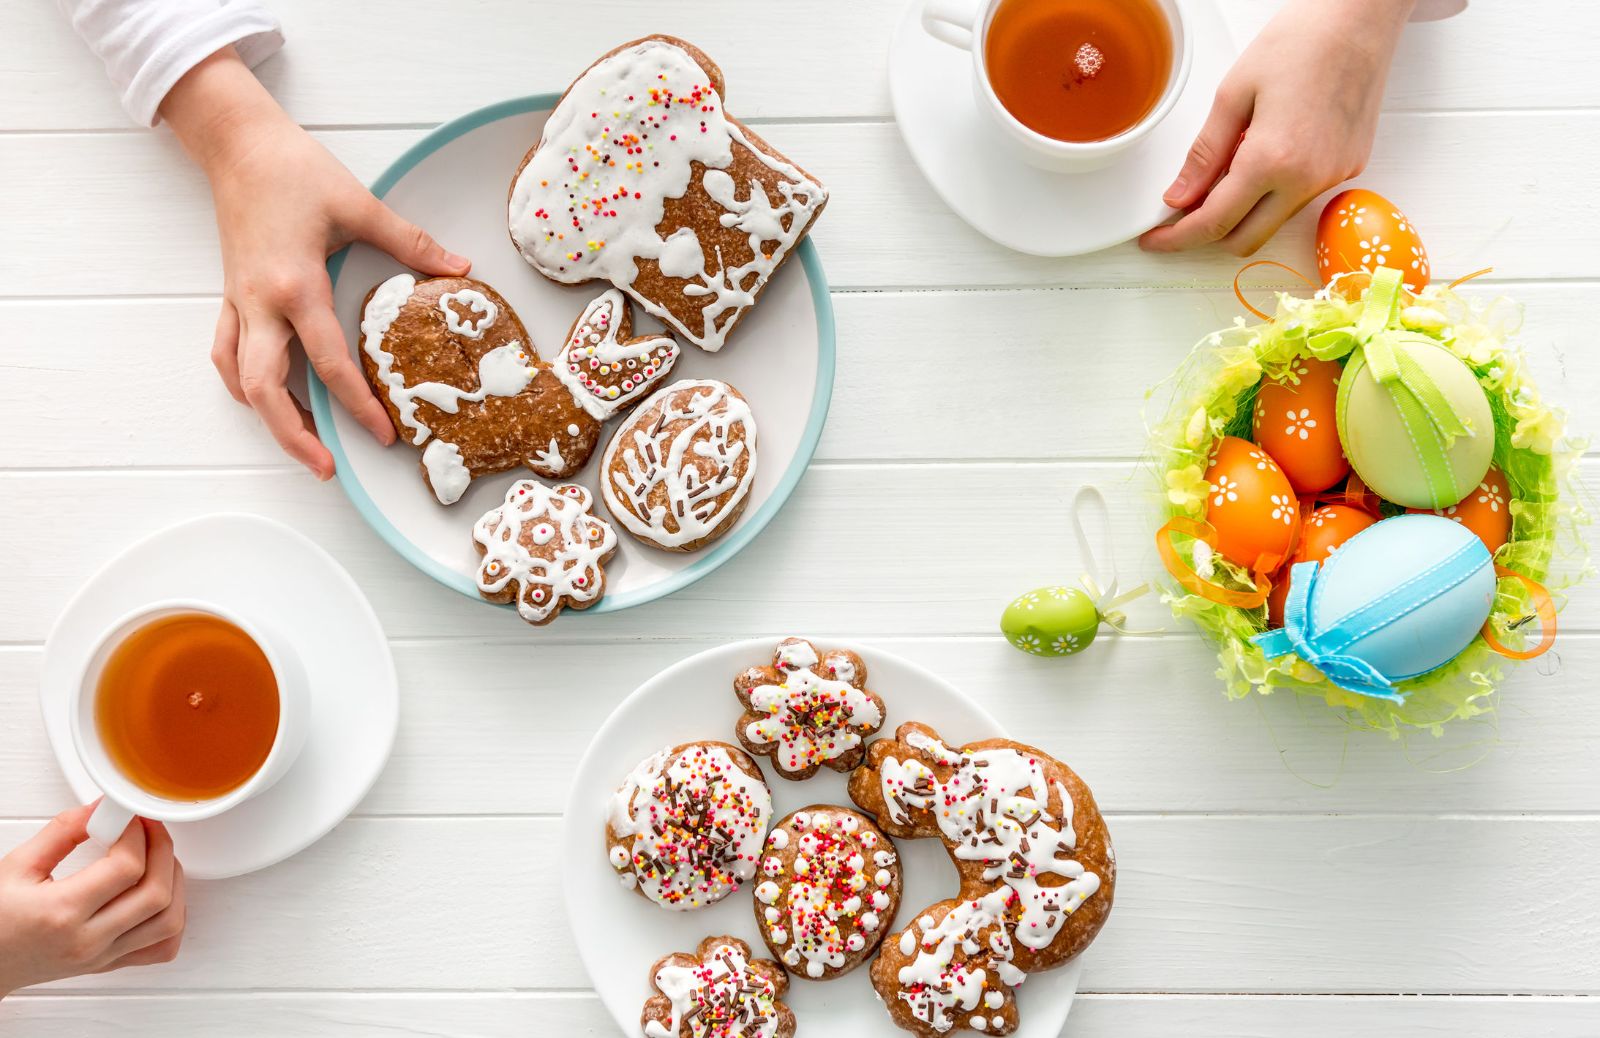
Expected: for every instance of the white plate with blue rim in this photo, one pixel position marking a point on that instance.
(620, 935)
(454, 183)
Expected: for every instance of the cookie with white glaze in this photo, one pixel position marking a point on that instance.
(607, 369)
(717, 991)
(808, 710)
(827, 892)
(461, 380)
(544, 550)
(642, 179)
(678, 472)
(1036, 867)
(685, 828)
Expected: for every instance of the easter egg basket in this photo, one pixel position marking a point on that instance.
(1370, 320)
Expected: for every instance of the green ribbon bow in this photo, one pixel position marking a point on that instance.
(1377, 340)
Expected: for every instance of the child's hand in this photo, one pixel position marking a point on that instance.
(1305, 97)
(283, 205)
(126, 909)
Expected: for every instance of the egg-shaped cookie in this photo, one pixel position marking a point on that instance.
(828, 890)
(677, 475)
(685, 828)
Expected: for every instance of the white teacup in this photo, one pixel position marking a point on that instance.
(964, 24)
(122, 798)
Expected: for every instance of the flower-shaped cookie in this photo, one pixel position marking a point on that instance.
(717, 991)
(807, 711)
(543, 549)
(1036, 868)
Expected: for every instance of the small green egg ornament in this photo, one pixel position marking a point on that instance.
(1051, 622)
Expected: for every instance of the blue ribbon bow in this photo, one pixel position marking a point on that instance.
(1328, 649)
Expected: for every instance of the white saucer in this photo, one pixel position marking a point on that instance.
(258, 566)
(453, 182)
(1031, 210)
(620, 935)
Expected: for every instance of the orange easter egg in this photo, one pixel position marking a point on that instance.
(1486, 511)
(1296, 421)
(1362, 230)
(1251, 505)
(1321, 532)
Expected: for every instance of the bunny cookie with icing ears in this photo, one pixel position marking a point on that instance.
(1036, 867)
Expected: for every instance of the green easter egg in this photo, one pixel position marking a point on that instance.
(1388, 454)
(1052, 621)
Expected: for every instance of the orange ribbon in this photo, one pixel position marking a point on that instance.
(1543, 608)
(1193, 582)
(1238, 293)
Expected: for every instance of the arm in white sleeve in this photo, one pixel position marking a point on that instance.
(147, 45)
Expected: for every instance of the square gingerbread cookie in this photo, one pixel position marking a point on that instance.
(641, 178)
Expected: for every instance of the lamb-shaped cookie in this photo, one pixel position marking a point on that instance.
(808, 711)
(717, 991)
(642, 179)
(1036, 867)
(454, 367)
(544, 550)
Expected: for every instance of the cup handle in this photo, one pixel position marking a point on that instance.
(107, 823)
(949, 21)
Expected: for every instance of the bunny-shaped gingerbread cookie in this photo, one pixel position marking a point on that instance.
(1036, 866)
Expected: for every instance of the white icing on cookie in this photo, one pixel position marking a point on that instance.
(821, 908)
(550, 458)
(603, 375)
(503, 371)
(652, 459)
(812, 719)
(723, 987)
(572, 572)
(993, 809)
(447, 475)
(693, 828)
(619, 145)
(481, 312)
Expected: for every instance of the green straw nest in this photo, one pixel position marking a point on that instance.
(1212, 395)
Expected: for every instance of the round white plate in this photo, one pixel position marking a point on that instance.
(262, 568)
(620, 935)
(1032, 210)
(454, 183)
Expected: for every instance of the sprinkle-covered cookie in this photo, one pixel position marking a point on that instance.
(1035, 862)
(717, 991)
(642, 179)
(808, 711)
(827, 891)
(686, 826)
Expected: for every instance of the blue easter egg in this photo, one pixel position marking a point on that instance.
(1398, 599)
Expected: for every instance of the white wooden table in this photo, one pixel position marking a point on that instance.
(1378, 897)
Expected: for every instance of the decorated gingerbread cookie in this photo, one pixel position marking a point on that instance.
(717, 991)
(1036, 868)
(677, 473)
(543, 550)
(829, 888)
(684, 829)
(808, 711)
(642, 179)
(455, 369)
(605, 368)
